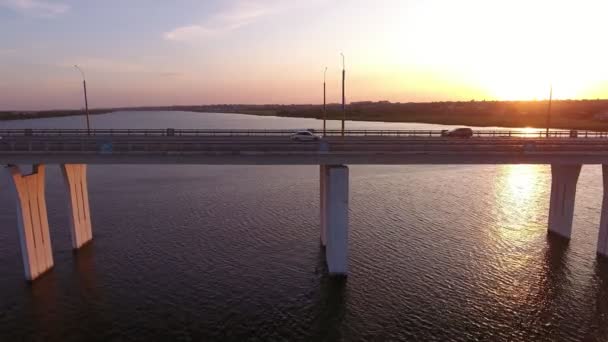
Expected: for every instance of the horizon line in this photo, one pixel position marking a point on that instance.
(294, 104)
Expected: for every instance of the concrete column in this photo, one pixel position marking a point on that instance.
(32, 221)
(563, 191)
(75, 178)
(322, 202)
(336, 217)
(602, 240)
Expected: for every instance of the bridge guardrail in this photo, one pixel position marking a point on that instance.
(285, 132)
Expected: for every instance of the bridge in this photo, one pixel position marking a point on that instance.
(73, 150)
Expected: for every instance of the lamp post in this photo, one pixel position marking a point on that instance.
(343, 98)
(324, 106)
(549, 110)
(86, 102)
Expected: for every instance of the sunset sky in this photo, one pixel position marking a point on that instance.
(161, 52)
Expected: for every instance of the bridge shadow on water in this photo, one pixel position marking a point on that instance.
(598, 325)
(329, 304)
(42, 306)
(560, 293)
(77, 288)
(548, 292)
(84, 267)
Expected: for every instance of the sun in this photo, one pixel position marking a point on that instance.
(513, 78)
(509, 87)
(519, 49)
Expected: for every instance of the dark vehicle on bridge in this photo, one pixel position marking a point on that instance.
(457, 133)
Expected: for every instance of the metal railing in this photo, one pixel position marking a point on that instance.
(88, 146)
(515, 133)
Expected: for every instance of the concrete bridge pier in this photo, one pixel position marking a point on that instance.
(322, 203)
(602, 239)
(334, 217)
(75, 179)
(563, 191)
(32, 221)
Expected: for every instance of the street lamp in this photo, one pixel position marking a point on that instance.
(324, 106)
(549, 110)
(86, 102)
(343, 99)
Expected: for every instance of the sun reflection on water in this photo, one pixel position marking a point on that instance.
(529, 132)
(519, 190)
(518, 209)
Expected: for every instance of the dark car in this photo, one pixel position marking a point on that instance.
(458, 133)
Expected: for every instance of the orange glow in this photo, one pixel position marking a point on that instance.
(519, 189)
(401, 51)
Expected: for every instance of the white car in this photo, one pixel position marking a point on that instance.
(304, 136)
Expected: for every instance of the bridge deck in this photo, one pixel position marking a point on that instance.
(261, 147)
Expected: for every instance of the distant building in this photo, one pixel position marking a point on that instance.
(369, 102)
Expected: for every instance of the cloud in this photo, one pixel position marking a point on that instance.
(242, 14)
(39, 8)
(189, 33)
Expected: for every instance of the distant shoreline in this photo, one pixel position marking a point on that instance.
(565, 114)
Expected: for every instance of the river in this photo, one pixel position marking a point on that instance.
(180, 252)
